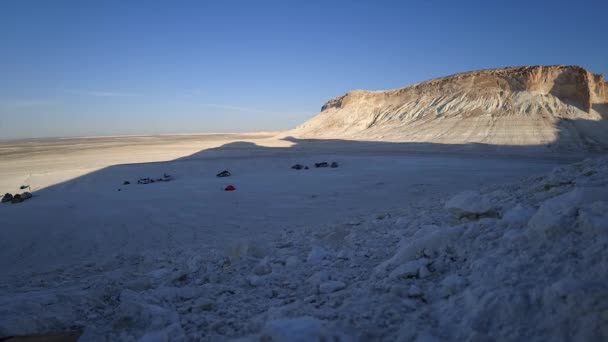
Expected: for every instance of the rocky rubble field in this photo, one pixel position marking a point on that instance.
(526, 261)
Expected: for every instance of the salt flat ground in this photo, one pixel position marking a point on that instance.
(82, 213)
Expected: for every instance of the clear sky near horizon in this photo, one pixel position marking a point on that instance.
(77, 68)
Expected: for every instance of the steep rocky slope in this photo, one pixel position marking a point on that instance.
(563, 107)
(523, 261)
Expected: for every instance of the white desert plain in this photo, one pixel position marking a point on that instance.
(472, 207)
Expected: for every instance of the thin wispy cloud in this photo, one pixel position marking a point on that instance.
(247, 109)
(240, 109)
(26, 103)
(100, 93)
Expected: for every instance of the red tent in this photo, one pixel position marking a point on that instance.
(230, 188)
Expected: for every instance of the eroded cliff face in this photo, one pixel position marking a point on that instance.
(558, 106)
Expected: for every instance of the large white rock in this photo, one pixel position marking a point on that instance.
(558, 214)
(469, 203)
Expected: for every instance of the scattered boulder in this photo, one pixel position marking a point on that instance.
(470, 204)
(305, 167)
(263, 267)
(126, 183)
(317, 253)
(298, 167)
(7, 197)
(26, 195)
(24, 187)
(230, 188)
(224, 173)
(17, 199)
(334, 165)
(406, 270)
(255, 281)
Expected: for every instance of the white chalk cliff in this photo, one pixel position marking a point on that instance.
(560, 107)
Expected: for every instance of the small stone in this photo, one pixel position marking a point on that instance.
(409, 303)
(451, 285)
(287, 244)
(204, 304)
(427, 253)
(268, 292)
(414, 291)
(343, 255)
(255, 281)
(126, 183)
(291, 262)
(383, 216)
(138, 284)
(423, 272)
(399, 291)
(317, 253)
(407, 270)
(263, 267)
(318, 277)
(331, 286)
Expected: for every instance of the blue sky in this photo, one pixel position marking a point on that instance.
(75, 68)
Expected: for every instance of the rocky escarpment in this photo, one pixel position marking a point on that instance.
(561, 107)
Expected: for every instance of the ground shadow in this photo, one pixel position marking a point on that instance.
(568, 146)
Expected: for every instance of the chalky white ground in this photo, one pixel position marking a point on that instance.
(392, 245)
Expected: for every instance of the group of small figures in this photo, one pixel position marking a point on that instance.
(148, 180)
(317, 165)
(17, 198)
